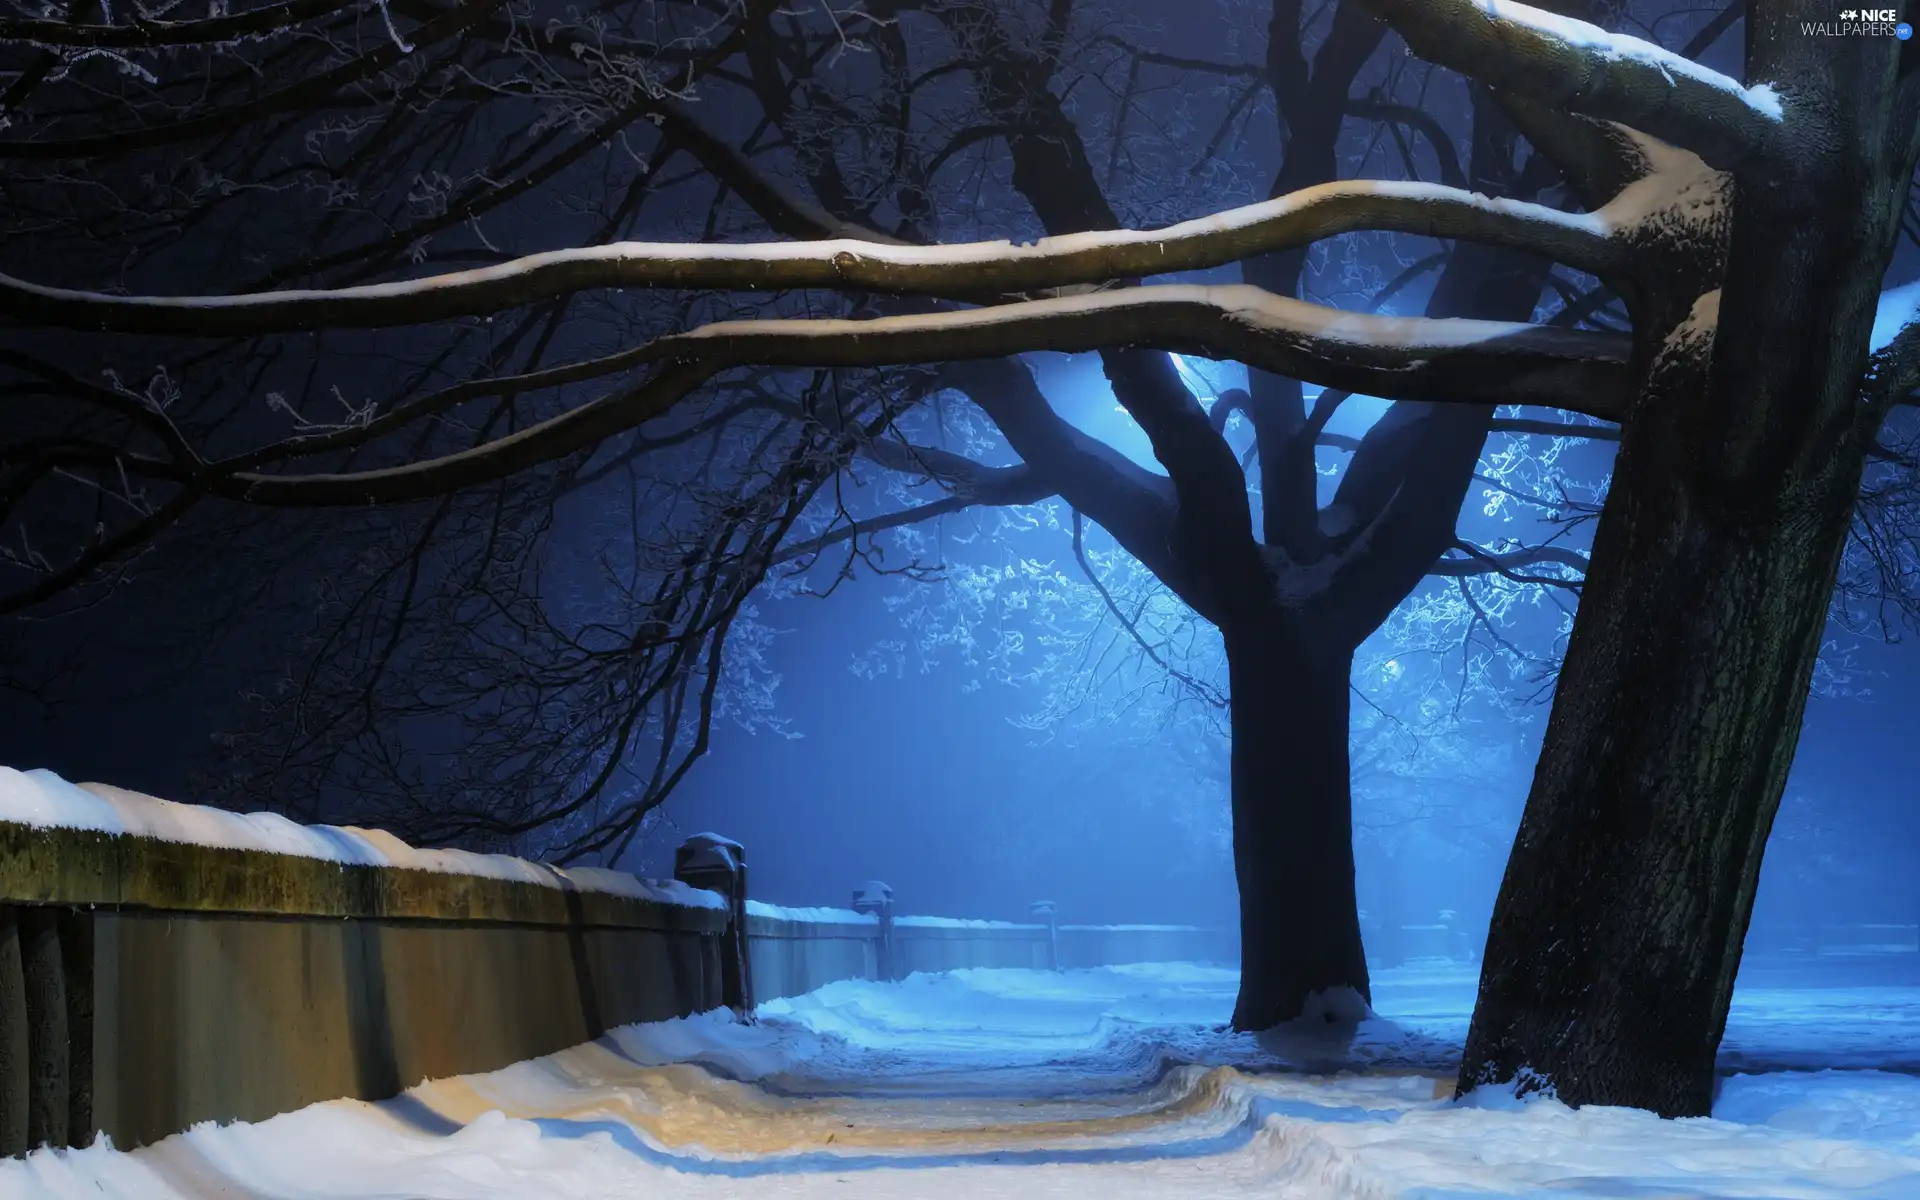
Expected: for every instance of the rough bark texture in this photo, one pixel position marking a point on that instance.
(1617, 934)
(1618, 930)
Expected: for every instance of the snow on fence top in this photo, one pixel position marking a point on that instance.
(960, 923)
(820, 916)
(844, 916)
(1135, 928)
(44, 800)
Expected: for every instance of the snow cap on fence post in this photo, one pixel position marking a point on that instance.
(877, 898)
(719, 864)
(1045, 910)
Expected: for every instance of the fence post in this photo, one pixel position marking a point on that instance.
(1044, 909)
(15, 1065)
(707, 860)
(76, 949)
(877, 898)
(49, 1074)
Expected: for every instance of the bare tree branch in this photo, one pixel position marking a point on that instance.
(992, 486)
(145, 32)
(1478, 560)
(287, 99)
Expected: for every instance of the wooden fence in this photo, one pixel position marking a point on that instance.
(147, 984)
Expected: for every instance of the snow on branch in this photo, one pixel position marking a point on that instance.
(1894, 369)
(1581, 68)
(1395, 358)
(976, 270)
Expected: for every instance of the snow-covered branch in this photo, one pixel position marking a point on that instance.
(1894, 370)
(980, 269)
(1398, 358)
(1401, 358)
(1597, 159)
(1579, 68)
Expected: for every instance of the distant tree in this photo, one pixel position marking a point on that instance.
(1342, 563)
(1111, 667)
(1748, 229)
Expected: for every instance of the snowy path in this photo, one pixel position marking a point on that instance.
(1111, 1083)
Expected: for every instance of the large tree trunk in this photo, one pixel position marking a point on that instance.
(1292, 826)
(1617, 934)
(1618, 931)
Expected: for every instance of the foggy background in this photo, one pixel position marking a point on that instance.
(915, 766)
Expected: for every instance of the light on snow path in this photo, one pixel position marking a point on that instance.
(1100, 1085)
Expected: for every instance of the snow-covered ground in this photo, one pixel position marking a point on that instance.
(1108, 1084)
